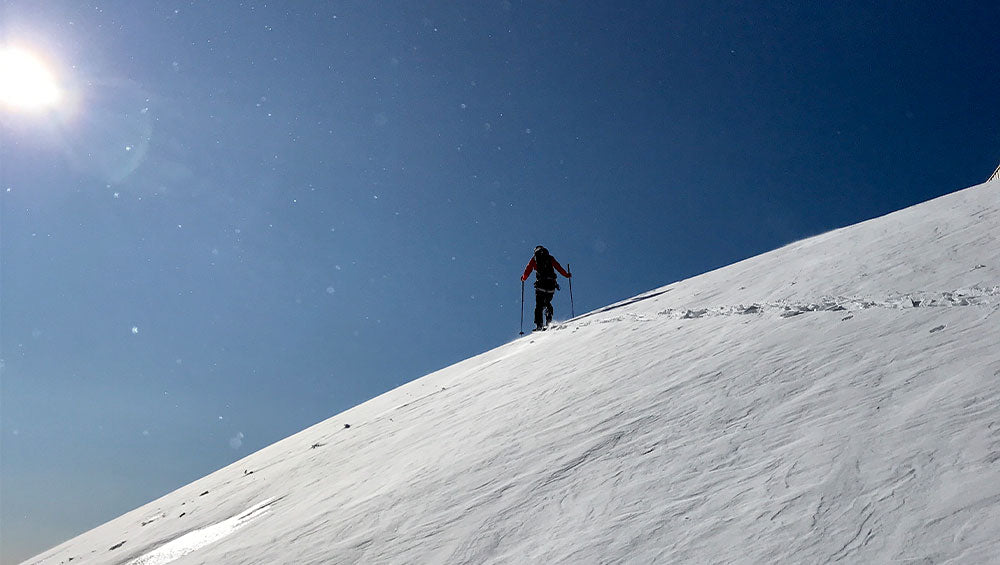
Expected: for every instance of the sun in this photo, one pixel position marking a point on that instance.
(26, 83)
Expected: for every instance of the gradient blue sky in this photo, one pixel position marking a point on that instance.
(247, 217)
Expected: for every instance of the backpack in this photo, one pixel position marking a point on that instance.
(545, 278)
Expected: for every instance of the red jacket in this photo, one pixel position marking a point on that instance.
(531, 267)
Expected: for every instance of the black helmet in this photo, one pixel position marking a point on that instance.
(541, 250)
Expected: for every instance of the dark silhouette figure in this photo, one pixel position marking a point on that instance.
(545, 267)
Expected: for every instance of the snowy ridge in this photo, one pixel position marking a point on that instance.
(835, 400)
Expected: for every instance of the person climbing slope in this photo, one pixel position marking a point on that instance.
(545, 267)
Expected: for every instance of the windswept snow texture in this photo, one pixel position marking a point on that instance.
(836, 400)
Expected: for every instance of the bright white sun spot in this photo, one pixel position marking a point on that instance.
(26, 83)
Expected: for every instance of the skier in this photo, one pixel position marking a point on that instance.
(545, 266)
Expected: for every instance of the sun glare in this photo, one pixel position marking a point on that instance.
(26, 83)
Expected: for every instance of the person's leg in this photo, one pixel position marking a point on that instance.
(545, 307)
(539, 307)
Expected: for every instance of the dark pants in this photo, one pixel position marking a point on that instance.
(543, 303)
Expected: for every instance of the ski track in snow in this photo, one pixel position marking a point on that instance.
(984, 298)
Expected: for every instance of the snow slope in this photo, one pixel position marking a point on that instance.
(837, 399)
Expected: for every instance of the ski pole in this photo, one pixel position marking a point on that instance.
(572, 309)
(522, 307)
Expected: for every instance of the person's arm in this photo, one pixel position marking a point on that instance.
(560, 269)
(528, 269)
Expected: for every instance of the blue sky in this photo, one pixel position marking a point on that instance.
(245, 218)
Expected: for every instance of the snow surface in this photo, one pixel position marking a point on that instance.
(835, 400)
